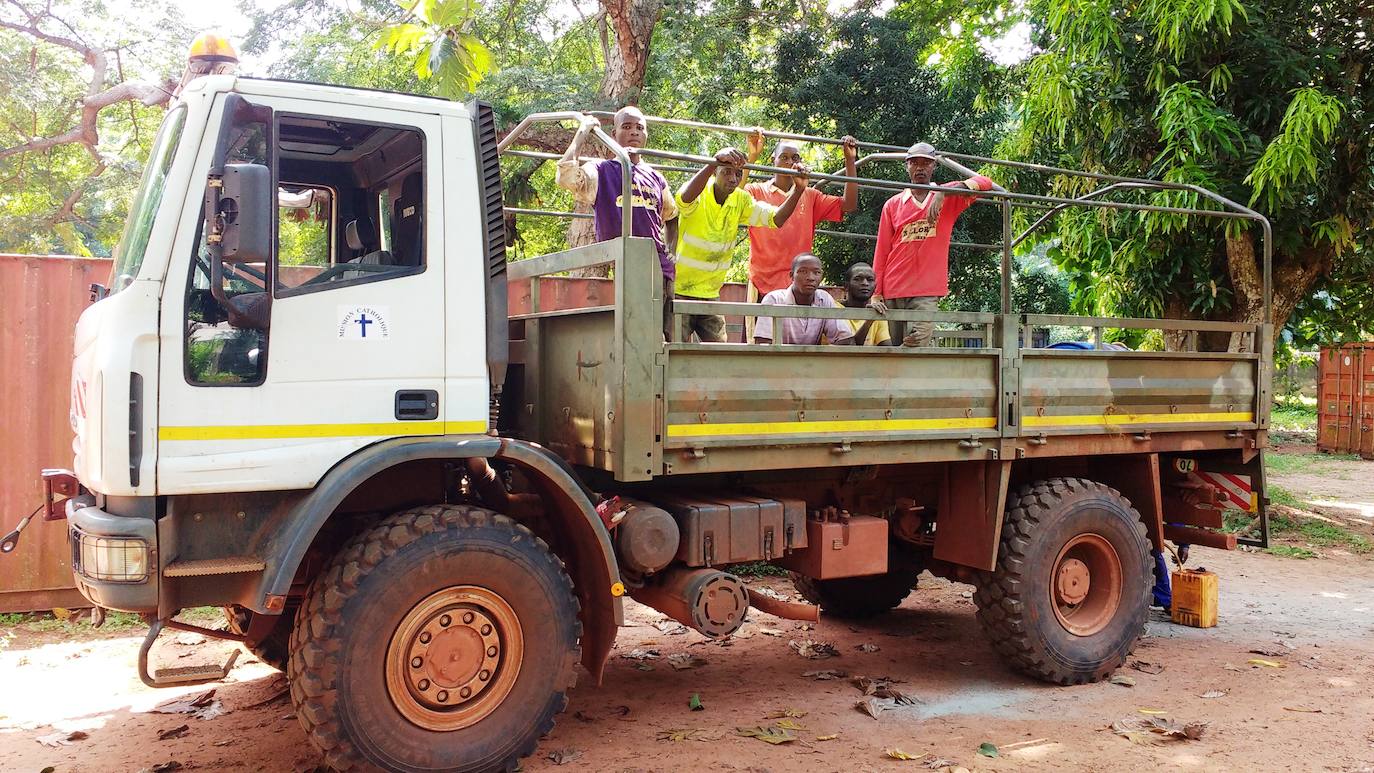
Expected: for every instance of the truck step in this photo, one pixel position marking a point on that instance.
(181, 675)
(194, 674)
(208, 566)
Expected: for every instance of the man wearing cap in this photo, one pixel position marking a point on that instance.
(911, 260)
(710, 219)
(599, 184)
(771, 250)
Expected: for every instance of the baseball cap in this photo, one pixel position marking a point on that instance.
(922, 150)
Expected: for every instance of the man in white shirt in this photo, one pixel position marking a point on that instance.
(805, 290)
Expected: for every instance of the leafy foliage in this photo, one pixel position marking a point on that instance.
(1266, 101)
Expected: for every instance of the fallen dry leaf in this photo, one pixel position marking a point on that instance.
(883, 687)
(671, 627)
(1156, 730)
(898, 754)
(1153, 712)
(688, 734)
(786, 713)
(682, 661)
(639, 654)
(1213, 694)
(766, 631)
(1265, 663)
(773, 735)
(62, 738)
(563, 756)
(830, 737)
(201, 706)
(1271, 653)
(812, 649)
(789, 724)
(1302, 709)
(1123, 680)
(866, 647)
(174, 732)
(1146, 667)
(938, 763)
(824, 676)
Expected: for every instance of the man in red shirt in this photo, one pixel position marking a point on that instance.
(912, 257)
(771, 250)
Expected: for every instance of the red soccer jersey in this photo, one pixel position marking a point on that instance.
(912, 256)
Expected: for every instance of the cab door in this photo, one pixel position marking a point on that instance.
(333, 342)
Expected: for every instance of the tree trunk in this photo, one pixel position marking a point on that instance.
(632, 22)
(1293, 277)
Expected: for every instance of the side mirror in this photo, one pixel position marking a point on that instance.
(247, 206)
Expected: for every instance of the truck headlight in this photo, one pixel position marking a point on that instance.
(112, 559)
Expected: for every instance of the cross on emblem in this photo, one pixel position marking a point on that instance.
(363, 322)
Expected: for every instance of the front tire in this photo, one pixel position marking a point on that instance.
(444, 638)
(1070, 595)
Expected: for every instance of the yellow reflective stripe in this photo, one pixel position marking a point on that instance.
(806, 427)
(283, 431)
(761, 215)
(1114, 419)
(706, 245)
(701, 265)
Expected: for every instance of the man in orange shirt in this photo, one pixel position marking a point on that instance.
(912, 257)
(771, 250)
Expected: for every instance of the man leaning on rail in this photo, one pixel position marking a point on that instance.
(710, 219)
(911, 260)
(599, 184)
(805, 290)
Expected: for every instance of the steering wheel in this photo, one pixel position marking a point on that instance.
(339, 268)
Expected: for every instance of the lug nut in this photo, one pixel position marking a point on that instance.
(445, 621)
(442, 696)
(467, 617)
(416, 662)
(424, 637)
(486, 630)
(465, 692)
(491, 651)
(484, 675)
(424, 684)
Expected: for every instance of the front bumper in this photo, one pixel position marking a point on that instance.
(107, 553)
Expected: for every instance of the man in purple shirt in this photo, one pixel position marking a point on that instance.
(805, 290)
(599, 184)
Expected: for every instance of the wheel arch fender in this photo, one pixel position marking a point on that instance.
(592, 563)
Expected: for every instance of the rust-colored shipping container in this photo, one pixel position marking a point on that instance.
(1345, 399)
(43, 295)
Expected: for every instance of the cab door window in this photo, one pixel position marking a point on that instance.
(227, 345)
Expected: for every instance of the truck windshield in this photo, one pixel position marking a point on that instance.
(128, 255)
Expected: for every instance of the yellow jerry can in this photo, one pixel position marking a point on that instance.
(1194, 598)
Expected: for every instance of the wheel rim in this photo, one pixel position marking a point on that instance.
(454, 658)
(1086, 584)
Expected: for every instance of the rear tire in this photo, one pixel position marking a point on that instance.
(1070, 595)
(444, 638)
(856, 598)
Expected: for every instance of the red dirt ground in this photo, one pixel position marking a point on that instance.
(1314, 713)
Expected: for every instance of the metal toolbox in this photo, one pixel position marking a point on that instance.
(847, 548)
(728, 529)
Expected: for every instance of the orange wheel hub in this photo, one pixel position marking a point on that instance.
(1085, 584)
(454, 658)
